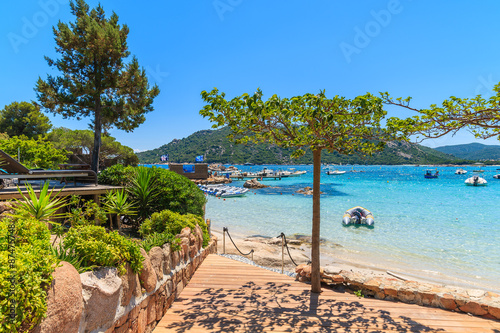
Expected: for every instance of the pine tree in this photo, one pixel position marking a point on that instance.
(96, 81)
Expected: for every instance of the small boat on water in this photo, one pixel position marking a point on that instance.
(335, 172)
(497, 176)
(358, 216)
(223, 191)
(460, 172)
(428, 174)
(476, 181)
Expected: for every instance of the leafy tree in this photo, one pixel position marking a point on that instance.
(35, 153)
(478, 115)
(23, 119)
(95, 81)
(80, 143)
(310, 121)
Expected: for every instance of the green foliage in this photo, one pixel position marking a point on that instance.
(158, 239)
(35, 153)
(23, 118)
(337, 124)
(61, 254)
(359, 293)
(85, 212)
(217, 148)
(144, 190)
(80, 144)
(176, 192)
(477, 115)
(43, 207)
(170, 222)
(96, 247)
(117, 203)
(34, 264)
(116, 175)
(96, 82)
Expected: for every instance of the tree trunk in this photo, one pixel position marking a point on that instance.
(97, 136)
(315, 264)
(119, 222)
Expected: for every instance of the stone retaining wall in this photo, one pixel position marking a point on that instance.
(106, 301)
(473, 301)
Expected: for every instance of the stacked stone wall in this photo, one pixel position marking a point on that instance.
(134, 303)
(476, 302)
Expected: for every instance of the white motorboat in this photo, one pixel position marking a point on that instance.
(335, 172)
(476, 181)
(460, 172)
(497, 176)
(223, 191)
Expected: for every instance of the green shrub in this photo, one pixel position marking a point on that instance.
(172, 222)
(85, 212)
(175, 192)
(116, 175)
(178, 193)
(34, 264)
(96, 247)
(157, 239)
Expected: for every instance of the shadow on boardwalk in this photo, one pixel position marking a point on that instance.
(282, 308)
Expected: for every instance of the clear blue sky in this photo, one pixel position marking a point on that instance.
(429, 50)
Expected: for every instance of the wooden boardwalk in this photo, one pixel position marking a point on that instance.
(229, 296)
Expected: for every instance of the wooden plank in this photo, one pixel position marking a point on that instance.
(226, 295)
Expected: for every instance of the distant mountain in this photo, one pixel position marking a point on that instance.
(216, 148)
(472, 151)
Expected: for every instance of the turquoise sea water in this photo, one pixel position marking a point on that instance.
(439, 228)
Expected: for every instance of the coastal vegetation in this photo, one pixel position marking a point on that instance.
(167, 189)
(473, 151)
(478, 115)
(217, 148)
(308, 122)
(96, 81)
(23, 118)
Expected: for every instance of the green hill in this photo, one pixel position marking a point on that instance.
(472, 151)
(216, 148)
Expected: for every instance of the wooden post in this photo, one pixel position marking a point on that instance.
(315, 235)
(224, 241)
(209, 228)
(282, 255)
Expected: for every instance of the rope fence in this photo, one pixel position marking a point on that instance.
(284, 244)
(225, 230)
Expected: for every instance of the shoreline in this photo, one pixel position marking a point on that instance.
(268, 253)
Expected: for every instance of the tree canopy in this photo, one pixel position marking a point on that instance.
(23, 118)
(80, 142)
(478, 115)
(316, 122)
(96, 82)
(34, 153)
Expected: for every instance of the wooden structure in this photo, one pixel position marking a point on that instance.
(229, 296)
(191, 171)
(13, 169)
(77, 189)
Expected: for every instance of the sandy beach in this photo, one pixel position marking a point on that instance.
(268, 253)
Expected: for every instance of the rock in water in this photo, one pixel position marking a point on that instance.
(253, 183)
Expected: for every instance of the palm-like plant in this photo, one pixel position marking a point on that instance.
(43, 207)
(117, 203)
(143, 190)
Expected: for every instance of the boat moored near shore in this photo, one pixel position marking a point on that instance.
(358, 216)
